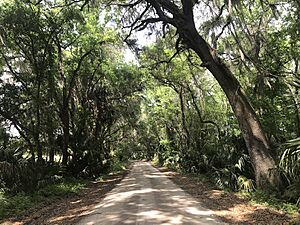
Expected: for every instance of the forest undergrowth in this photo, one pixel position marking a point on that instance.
(81, 90)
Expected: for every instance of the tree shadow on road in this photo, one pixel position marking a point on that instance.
(225, 206)
(146, 196)
(228, 207)
(71, 209)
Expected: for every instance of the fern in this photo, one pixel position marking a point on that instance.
(290, 165)
(290, 158)
(245, 184)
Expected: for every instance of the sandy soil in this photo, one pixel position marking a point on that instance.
(147, 197)
(69, 210)
(228, 207)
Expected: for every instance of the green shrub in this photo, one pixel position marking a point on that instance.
(118, 166)
(62, 189)
(13, 205)
(272, 200)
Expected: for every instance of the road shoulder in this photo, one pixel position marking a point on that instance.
(70, 210)
(228, 207)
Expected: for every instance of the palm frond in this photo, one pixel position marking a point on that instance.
(245, 184)
(290, 158)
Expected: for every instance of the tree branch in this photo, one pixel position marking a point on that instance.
(219, 35)
(158, 6)
(144, 23)
(188, 9)
(75, 73)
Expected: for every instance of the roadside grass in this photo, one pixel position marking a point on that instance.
(17, 205)
(21, 204)
(270, 200)
(119, 166)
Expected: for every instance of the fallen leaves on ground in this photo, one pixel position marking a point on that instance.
(229, 207)
(69, 210)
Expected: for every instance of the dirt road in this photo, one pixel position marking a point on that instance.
(147, 197)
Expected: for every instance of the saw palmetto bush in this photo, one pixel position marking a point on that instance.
(236, 176)
(290, 165)
(17, 176)
(231, 166)
(18, 173)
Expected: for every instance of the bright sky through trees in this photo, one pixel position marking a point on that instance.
(81, 94)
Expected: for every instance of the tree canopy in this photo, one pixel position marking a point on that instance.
(213, 90)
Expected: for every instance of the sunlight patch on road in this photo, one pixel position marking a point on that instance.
(153, 175)
(195, 211)
(160, 216)
(148, 197)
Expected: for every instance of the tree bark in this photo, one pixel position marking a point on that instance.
(65, 119)
(68, 86)
(258, 146)
(183, 117)
(255, 138)
(38, 123)
(50, 121)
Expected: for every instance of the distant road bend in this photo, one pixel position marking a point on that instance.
(147, 197)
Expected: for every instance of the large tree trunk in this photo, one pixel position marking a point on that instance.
(183, 118)
(38, 123)
(258, 146)
(66, 134)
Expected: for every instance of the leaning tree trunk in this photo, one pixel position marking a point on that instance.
(180, 15)
(258, 146)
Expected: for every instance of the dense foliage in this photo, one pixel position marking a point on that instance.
(72, 105)
(66, 94)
